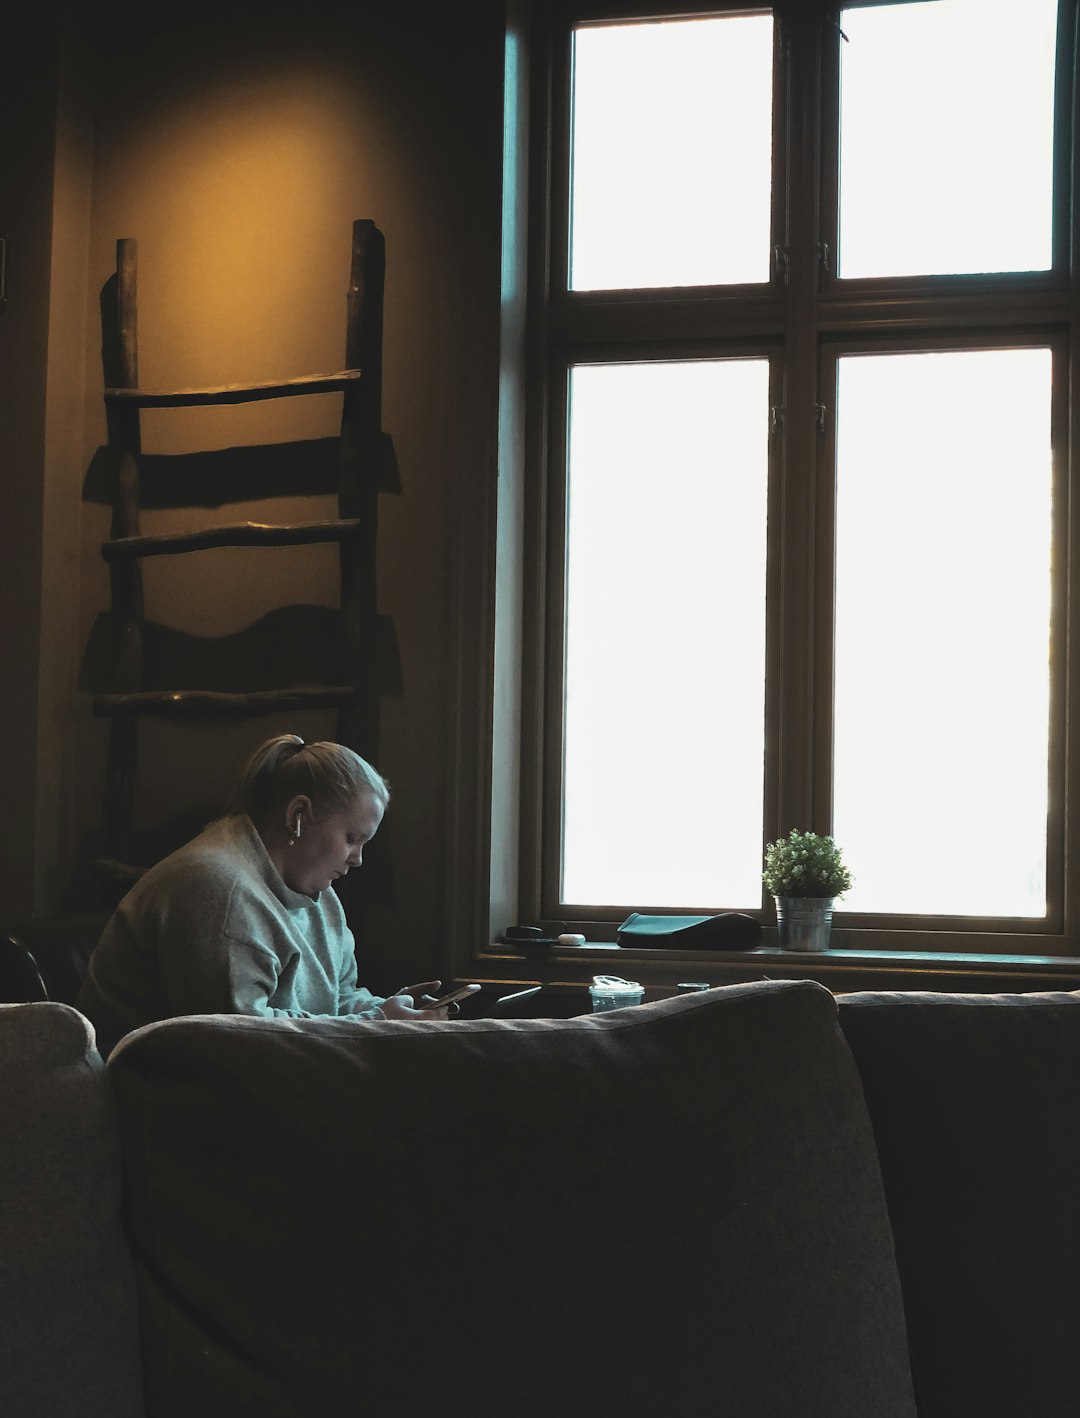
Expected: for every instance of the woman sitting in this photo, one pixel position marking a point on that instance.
(242, 920)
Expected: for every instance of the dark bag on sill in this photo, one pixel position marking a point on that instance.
(731, 930)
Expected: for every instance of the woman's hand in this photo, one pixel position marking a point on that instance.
(405, 1003)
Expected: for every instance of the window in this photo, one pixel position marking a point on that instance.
(808, 318)
(649, 105)
(962, 179)
(943, 536)
(665, 621)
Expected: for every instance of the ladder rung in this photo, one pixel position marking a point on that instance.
(237, 534)
(210, 704)
(232, 393)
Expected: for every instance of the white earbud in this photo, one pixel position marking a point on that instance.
(296, 829)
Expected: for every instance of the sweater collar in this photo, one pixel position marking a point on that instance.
(256, 849)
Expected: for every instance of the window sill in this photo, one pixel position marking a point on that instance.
(841, 970)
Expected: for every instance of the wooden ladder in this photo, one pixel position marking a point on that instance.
(354, 529)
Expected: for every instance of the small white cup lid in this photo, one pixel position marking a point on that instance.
(615, 985)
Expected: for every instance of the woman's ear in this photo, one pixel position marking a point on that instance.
(296, 811)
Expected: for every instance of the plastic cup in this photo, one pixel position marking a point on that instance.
(611, 992)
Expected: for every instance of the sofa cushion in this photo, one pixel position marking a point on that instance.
(974, 1103)
(669, 1209)
(69, 1345)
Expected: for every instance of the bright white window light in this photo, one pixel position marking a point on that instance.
(671, 148)
(665, 634)
(946, 137)
(943, 631)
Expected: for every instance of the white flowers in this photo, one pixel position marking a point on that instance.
(805, 864)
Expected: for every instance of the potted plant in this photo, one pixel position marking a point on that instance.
(804, 871)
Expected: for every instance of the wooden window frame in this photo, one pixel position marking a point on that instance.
(804, 319)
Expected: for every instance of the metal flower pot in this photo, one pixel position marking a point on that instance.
(804, 922)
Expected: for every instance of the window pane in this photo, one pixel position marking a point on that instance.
(671, 149)
(946, 137)
(942, 631)
(665, 634)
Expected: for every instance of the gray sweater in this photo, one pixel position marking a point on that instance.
(213, 929)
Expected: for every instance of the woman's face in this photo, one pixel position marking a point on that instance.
(329, 843)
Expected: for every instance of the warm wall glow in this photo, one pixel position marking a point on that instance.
(235, 281)
(238, 149)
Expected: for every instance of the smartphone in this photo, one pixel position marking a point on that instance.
(462, 992)
(499, 1006)
(506, 1004)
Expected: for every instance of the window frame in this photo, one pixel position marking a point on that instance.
(804, 318)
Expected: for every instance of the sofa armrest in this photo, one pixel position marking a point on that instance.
(69, 1345)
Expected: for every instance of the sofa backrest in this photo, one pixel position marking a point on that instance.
(670, 1209)
(974, 1102)
(69, 1344)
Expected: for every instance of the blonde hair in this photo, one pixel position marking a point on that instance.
(330, 774)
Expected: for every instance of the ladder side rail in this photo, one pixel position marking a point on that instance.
(361, 432)
(125, 577)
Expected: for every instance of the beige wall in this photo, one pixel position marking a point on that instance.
(237, 143)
